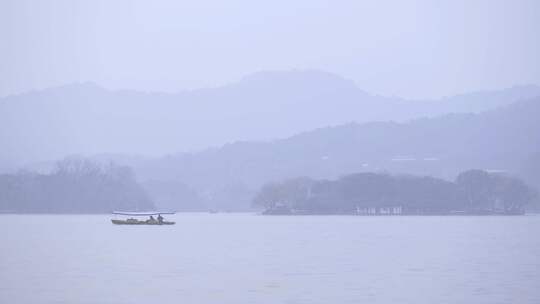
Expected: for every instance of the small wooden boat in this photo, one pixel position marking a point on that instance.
(134, 221)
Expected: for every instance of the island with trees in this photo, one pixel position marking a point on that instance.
(76, 185)
(474, 192)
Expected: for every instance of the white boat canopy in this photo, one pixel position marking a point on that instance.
(144, 213)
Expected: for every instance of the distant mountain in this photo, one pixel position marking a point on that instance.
(505, 140)
(476, 102)
(87, 119)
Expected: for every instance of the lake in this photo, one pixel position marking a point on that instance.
(248, 258)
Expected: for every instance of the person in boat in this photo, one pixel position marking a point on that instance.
(160, 219)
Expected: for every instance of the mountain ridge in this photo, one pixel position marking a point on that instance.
(501, 140)
(88, 119)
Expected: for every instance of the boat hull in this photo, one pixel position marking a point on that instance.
(128, 222)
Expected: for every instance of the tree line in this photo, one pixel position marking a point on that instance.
(473, 192)
(76, 185)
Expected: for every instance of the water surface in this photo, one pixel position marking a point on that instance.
(247, 258)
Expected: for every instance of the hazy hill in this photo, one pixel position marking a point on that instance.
(88, 119)
(505, 139)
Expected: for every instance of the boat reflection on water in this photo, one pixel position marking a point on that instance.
(133, 220)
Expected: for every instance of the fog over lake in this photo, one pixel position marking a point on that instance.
(295, 152)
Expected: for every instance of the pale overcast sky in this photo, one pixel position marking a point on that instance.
(413, 49)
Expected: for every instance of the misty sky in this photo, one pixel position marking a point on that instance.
(414, 49)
